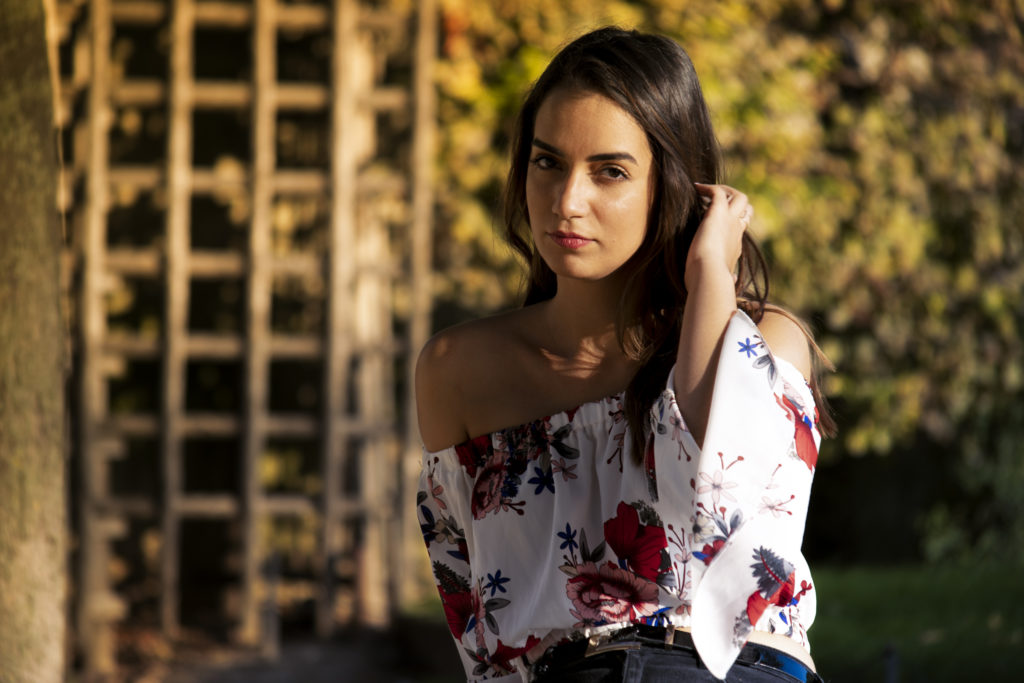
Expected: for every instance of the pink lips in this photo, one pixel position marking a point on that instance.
(569, 240)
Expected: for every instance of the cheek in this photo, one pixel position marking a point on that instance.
(538, 203)
(532, 197)
(534, 185)
(631, 213)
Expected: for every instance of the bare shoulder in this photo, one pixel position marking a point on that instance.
(787, 339)
(449, 373)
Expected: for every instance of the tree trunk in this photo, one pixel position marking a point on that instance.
(32, 469)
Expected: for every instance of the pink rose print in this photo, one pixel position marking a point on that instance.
(609, 594)
(487, 491)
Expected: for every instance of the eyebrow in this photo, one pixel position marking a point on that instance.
(609, 156)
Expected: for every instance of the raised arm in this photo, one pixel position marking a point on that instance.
(711, 301)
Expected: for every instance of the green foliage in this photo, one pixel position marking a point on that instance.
(881, 143)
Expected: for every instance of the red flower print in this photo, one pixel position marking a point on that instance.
(805, 448)
(641, 546)
(469, 452)
(776, 584)
(487, 490)
(710, 550)
(458, 608)
(609, 594)
(758, 603)
(503, 655)
(456, 598)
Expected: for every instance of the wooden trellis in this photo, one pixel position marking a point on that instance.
(372, 248)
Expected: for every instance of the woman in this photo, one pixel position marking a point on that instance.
(616, 475)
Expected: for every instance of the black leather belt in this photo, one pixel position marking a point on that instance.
(640, 636)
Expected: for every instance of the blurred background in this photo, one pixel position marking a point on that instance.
(270, 204)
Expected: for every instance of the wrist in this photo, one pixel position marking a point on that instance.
(704, 272)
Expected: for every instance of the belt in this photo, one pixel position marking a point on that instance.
(640, 636)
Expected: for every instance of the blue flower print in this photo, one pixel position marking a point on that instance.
(428, 526)
(543, 480)
(568, 539)
(747, 347)
(495, 582)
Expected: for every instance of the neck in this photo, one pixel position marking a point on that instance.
(580, 322)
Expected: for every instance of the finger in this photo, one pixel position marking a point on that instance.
(712, 195)
(740, 207)
(729, 198)
(747, 216)
(737, 199)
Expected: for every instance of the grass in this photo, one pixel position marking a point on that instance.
(918, 623)
(911, 624)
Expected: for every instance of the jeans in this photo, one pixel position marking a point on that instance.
(650, 665)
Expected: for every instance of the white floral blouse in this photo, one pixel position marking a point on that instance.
(547, 530)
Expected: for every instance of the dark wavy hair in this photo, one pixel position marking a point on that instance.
(652, 78)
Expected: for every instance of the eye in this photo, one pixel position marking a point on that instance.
(544, 162)
(614, 173)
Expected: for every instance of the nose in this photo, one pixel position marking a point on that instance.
(570, 196)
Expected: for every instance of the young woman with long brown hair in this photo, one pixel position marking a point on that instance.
(616, 475)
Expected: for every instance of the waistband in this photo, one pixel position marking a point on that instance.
(639, 636)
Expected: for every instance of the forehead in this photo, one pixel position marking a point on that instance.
(576, 121)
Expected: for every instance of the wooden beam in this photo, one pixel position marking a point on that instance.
(412, 585)
(216, 265)
(94, 628)
(344, 174)
(259, 290)
(176, 273)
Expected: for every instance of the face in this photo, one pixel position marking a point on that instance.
(587, 185)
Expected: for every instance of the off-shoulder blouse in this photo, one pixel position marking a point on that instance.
(550, 530)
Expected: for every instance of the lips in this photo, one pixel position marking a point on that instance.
(569, 240)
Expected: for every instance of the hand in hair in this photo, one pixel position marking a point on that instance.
(719, 238)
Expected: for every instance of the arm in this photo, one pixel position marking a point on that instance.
(438, 392)
(787, 340)
(710, 302)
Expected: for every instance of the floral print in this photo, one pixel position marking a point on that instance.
(608, 594)
(640, 547)
(545, 530)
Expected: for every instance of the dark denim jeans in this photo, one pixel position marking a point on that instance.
(650, 665)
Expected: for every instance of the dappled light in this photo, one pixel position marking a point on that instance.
(269, 205)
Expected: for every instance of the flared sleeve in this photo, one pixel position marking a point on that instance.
(751, 490)
(444, 505)
(440, 501)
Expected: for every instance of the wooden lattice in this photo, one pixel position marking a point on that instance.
(318, 211)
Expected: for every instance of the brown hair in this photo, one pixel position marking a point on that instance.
(652, 78)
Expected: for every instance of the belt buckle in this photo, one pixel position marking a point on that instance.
(670, 636)
(601, 643)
